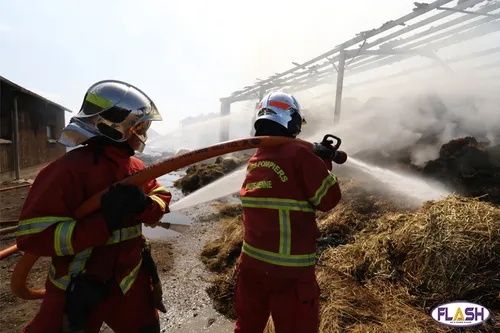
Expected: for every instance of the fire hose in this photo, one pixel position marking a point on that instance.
(25, 264)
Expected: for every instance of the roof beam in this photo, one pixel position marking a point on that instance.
(467, 12)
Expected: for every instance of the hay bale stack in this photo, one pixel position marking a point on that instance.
(199, 175)
(448, 250)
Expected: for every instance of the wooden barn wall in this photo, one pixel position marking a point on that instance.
(34, 117)
(6, 160)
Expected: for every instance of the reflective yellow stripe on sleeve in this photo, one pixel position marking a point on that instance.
(62, 238)
(160, 202)
(328, 182)
(125, 234)
(159, 190)
(38, 224)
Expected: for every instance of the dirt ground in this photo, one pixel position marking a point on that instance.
(11, 203)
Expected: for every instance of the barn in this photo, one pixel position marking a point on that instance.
(29, 127)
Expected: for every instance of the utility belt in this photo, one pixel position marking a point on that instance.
(84, 294)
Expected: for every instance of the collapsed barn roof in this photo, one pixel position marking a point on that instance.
(428, 28)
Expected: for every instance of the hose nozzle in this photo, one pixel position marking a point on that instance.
(340, 157)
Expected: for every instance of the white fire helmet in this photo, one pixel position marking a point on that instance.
(113, 109)
(281, 108)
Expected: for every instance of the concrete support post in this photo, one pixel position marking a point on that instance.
(15, 139)
(340, 85)
(225, 111)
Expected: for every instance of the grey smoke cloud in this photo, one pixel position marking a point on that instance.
(419, 116)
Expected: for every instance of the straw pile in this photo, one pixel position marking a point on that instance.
(394, 268)
(361, 204)
(223, 252)
(448, 250)
(220, 257)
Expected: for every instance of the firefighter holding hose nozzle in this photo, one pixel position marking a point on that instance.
(102, 269)
(284, 186)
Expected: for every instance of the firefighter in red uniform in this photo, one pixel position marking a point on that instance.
(100, 268)
(284, 186)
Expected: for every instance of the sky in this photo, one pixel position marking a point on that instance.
(184, 54)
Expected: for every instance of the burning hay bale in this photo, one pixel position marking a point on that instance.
(448, 250)
(199, 175)
(470, 167)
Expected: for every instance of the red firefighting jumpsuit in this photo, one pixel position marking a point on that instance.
(283, 188)
(46, 228)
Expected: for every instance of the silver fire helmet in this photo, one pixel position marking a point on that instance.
(113, 109)
(279, 107)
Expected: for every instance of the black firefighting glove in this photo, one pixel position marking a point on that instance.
(324, 150)
(122, 200)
